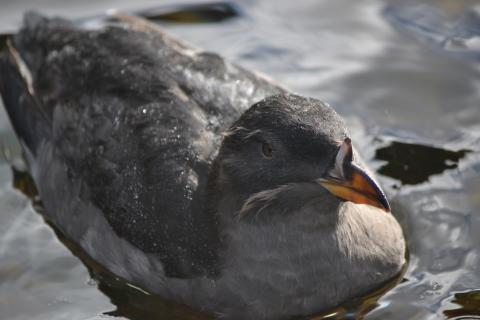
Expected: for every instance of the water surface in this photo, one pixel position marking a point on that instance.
(404, 74)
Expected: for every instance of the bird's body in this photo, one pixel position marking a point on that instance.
(130, 137)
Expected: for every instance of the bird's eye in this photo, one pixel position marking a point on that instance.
(267, 150)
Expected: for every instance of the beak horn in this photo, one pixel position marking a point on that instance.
(350, 182)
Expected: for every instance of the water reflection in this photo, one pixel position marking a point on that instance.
(467, 303)
(194, 13)
(412, 163)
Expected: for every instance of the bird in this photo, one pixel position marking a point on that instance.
(192, 177)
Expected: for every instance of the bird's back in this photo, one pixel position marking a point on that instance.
(127, 121)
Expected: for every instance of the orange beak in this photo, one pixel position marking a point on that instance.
(349, 182)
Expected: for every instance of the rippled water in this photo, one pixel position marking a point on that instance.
(404, 74)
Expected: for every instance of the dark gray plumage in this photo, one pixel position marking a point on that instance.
(189, 176)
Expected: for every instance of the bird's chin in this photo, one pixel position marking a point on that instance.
(350, 205)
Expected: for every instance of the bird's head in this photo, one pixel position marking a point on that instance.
(286, 150)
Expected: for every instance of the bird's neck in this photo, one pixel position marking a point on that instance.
(224, 200)
(261, 232)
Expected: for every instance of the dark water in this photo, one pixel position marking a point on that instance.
(405, 75)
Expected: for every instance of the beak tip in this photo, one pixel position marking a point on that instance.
(382, 199)
(385, 205)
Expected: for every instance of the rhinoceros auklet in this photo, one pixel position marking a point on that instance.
(192, 177)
